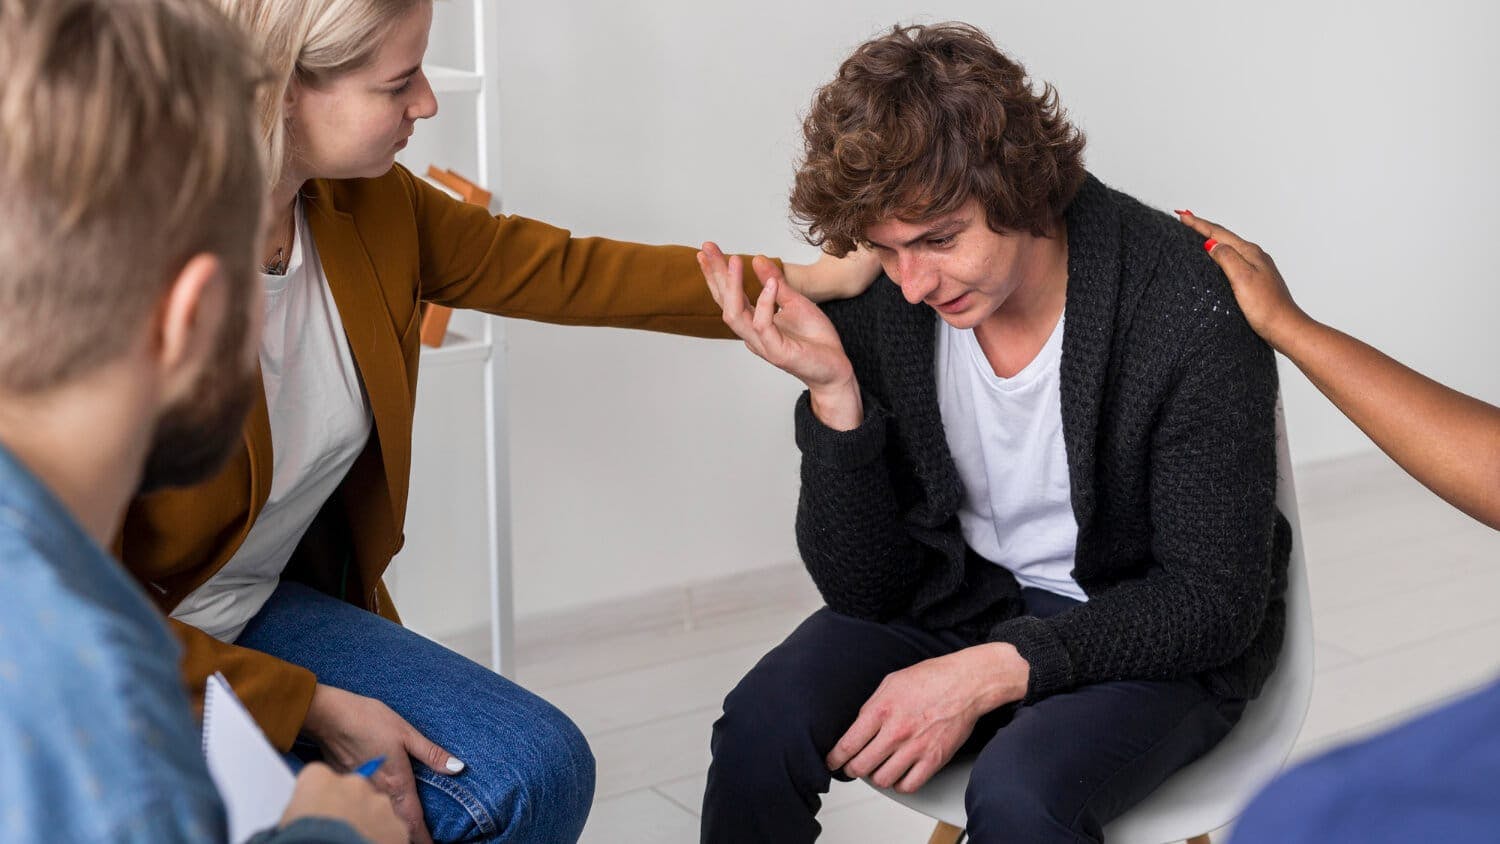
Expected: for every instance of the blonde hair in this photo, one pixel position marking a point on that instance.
(127, 146)
(310, 42)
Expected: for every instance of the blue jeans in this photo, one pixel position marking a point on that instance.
(530, 775)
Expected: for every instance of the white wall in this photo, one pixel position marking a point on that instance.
(1356, 141)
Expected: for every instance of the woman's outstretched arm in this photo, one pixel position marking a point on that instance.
(1447, 440)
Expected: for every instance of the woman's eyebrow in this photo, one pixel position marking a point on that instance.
(405, 73)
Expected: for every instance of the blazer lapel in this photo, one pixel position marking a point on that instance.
(372, 338)
(258, 445)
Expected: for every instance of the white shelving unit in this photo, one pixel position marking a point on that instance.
(454, 573)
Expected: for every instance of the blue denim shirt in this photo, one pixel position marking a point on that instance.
(97, 732)
(97, 741)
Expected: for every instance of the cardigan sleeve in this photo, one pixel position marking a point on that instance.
(516, 267)
(1213, 522)
(849, 526)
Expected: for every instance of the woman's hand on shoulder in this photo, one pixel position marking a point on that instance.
(1258, 286)
(831, 278)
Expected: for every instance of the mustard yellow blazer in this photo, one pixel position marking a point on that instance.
(389, 244)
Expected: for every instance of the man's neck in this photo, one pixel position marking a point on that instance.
(85, 445)
(1015, 333)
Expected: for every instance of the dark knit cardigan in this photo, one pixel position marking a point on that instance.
(1168, 409)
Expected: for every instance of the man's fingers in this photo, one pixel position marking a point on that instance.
(874, 754)
(402, 787)
(732, 285)
(853, 741)
(790, 297)
(715, 269)
(765, 306)
(892, 770)
(710, 278)
(917, 776)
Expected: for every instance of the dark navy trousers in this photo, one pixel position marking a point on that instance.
(1055, 770)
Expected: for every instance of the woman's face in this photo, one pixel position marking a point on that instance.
(353, 125)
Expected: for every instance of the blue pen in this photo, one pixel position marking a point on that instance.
(369, 768)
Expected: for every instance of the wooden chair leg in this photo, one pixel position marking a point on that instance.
(945, 834)
(1202, 839)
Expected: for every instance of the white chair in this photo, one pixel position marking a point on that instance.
(1212, 791)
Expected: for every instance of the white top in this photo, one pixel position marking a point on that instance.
(1006, 437)
(320, 422)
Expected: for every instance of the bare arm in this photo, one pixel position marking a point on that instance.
(1447, 440)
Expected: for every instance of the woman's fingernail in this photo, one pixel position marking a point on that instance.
(455, 765)
(1184, 211)
(1208, 245)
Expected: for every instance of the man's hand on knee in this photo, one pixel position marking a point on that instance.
(920, 716)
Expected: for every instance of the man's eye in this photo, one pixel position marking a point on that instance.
(941, 242)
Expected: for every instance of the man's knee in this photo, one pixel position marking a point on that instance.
(766, 730)
(1016, 799)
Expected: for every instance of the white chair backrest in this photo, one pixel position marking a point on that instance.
(1212, 791)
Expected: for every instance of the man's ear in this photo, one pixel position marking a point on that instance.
(191, 316)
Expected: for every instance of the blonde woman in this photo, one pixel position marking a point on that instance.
(271, 570)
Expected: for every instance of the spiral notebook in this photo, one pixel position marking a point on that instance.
(253, 780)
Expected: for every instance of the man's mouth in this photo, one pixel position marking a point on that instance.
(954, 305)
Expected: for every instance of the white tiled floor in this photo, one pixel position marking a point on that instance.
(1404, 611)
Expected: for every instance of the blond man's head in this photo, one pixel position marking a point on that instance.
(128, 146)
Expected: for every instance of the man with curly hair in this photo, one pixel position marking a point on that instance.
(1038, 469)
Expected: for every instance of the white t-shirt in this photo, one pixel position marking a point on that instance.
(1006, 437)
(320, 422)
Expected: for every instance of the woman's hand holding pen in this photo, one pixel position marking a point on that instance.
(351, 729)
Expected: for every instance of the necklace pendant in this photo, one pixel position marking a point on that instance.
(277, 264)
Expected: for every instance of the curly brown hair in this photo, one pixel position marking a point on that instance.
(919, 121)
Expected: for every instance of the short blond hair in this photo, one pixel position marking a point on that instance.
(127, 146)
(308, 42)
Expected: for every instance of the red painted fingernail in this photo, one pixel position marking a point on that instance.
(1208, 245)
(1189, 213)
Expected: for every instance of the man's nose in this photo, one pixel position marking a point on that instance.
(916, 278)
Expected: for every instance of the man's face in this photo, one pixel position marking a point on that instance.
(955, 263)
(194, 437)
